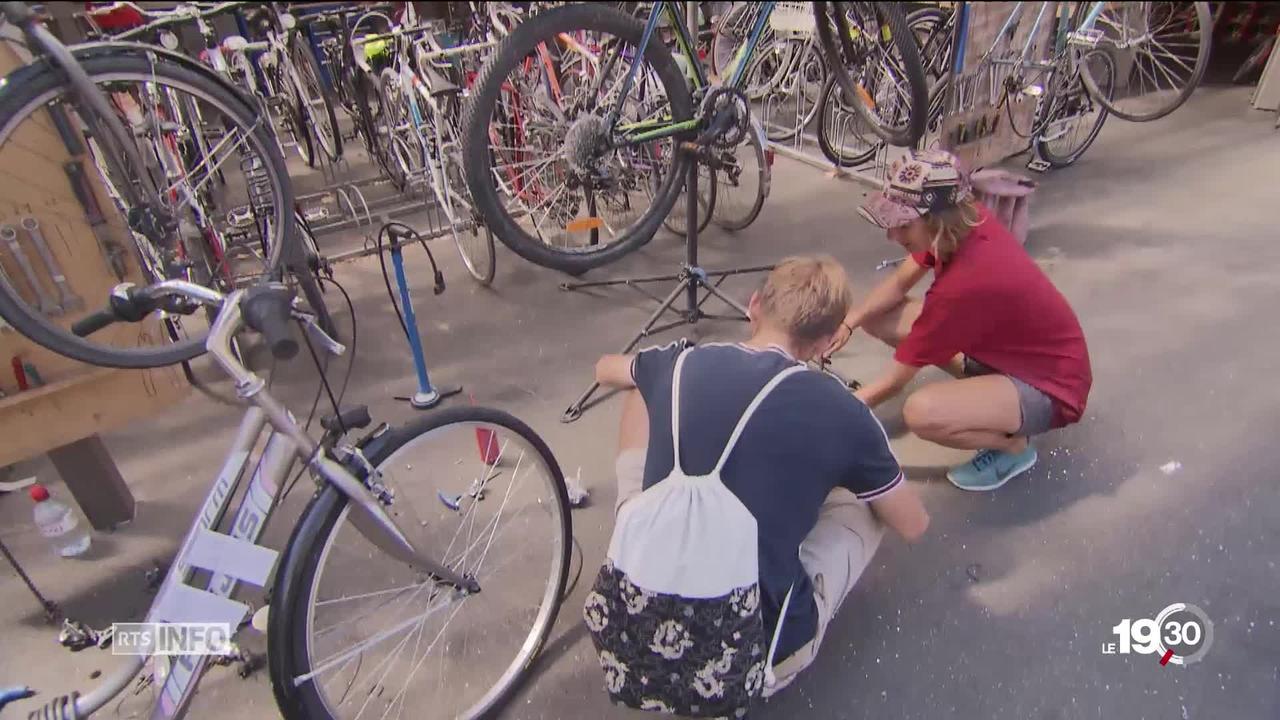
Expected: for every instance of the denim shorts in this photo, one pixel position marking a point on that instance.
(1037, 408)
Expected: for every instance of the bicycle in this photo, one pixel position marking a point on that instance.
(419, 89)
(114, 106)
(461, 562)
(1101, 61)
(843, 135)
(188, 149)
(570, 136)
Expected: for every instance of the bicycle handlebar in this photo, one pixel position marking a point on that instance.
(130, 303)
(266, 308)
(183, 13)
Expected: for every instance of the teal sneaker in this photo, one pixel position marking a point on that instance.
(990, 469)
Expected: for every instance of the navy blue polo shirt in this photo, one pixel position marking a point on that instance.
(809, 436)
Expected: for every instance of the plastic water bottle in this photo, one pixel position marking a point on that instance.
(59, 523)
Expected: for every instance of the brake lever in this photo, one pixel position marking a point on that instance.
(318, 335)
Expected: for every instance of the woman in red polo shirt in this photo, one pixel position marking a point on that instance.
(991, 318)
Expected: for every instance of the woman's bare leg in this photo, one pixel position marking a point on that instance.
(972, 414)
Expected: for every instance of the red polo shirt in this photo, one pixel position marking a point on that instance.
(994, 304)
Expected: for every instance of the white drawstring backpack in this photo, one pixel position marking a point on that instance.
(675, 611)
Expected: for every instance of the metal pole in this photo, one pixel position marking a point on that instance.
(50, 608)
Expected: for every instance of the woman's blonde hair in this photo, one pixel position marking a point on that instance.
(950, 226)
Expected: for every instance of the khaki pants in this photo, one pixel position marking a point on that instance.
(834, 554)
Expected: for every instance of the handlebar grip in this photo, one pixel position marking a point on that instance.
(266, 310)
(91, 324)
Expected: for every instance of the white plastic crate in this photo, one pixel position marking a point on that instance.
(793, 17)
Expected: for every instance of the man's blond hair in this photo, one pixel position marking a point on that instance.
(806, 297)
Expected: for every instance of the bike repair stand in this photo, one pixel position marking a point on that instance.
(428, 396)
(689, 281)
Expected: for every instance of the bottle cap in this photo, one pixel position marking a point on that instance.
(38, 493)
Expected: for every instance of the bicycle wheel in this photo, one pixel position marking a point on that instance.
(730, 34)
(395, 155)
(791, 95)
(540, 162)
(742, 183)
(843, 135)
(933, 33)
(678, 219)
(1073, 117)
(317, 97)
(257, 191)
(930, 27)
(355, 633)
(474, 245)
(874, 57)
(1160, 51)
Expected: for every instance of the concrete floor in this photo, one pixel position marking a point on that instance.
(1164, 239)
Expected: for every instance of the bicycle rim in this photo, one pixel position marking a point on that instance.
(730, 34)
(843, 134)
(1073, 117)
(874, 57)
(678, 219)
(476, 248)
(238, 251)
(382, 640)
(789, 100)
(537, 146)
(742, 183)
(1160, 51)
(319, 102)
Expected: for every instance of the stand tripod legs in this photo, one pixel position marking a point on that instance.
(574, 411)
(690, 278)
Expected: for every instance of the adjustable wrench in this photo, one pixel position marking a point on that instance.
(48, 305)
(69, 300)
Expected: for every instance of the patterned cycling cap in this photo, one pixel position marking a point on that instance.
(922, 182)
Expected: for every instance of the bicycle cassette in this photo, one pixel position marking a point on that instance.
(726, 116)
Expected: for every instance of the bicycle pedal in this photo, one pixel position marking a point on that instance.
(1038, 165)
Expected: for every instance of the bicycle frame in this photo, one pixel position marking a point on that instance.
(235, 557)
(1065, 34)
(646, 130)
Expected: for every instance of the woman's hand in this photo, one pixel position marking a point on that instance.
(840, 339)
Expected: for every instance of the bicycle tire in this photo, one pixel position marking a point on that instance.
(304, 60)
(724, 47)
(835, 152)
(295, 118)
(1204, 17)
(1045, 149)
(935, 46)
(486, 91)
(391, 155)
(481, 269)
(912, 69)
(722, 216)
(810, 55)
(299, 565)
(36, 84)
(678, 219)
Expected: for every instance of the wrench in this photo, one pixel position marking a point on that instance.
(69, 300)
(48, 305)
